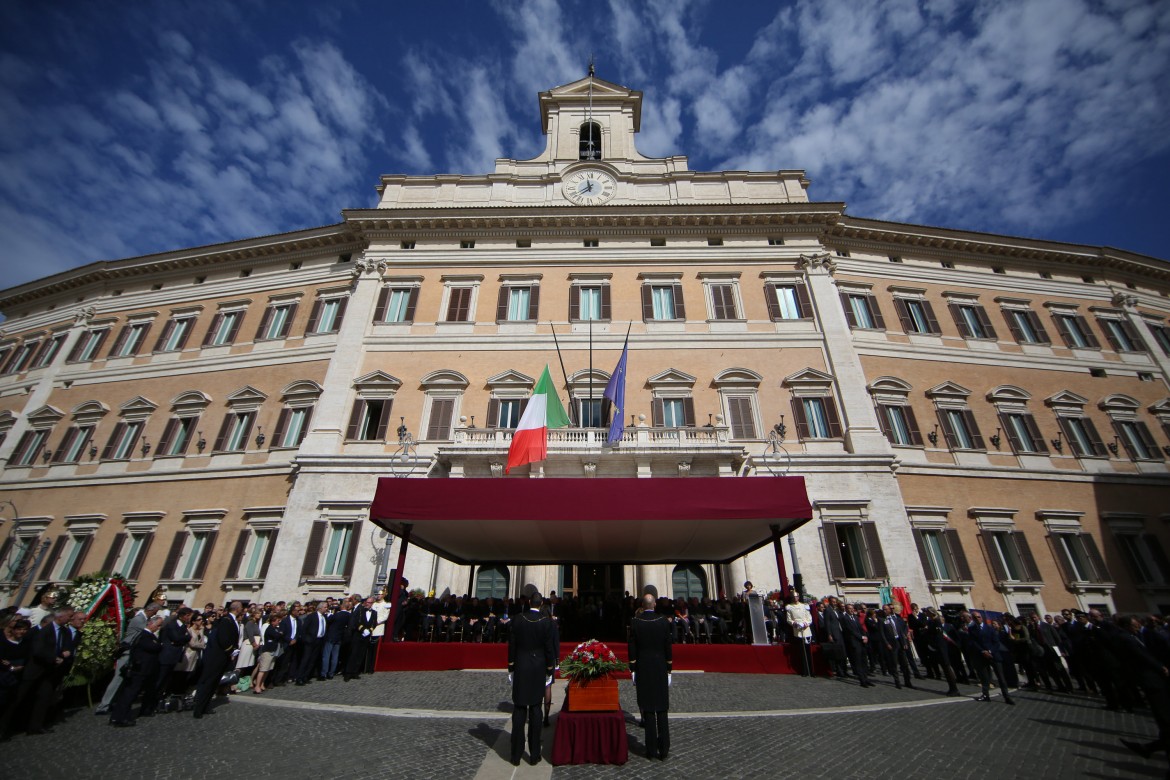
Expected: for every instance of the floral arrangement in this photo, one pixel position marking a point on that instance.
(94, 654)
(591, 660)
(106, 600)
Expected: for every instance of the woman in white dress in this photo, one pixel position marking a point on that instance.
(800, 625)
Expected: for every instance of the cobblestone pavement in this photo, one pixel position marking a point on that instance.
(455, 725)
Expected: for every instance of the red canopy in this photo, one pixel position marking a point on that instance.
(529, 521)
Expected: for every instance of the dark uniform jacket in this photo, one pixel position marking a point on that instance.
(174, 638)
(651, 660)
(532, 656)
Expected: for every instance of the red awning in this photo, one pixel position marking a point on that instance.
(530, 521)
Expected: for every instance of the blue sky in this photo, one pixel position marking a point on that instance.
(135, 127)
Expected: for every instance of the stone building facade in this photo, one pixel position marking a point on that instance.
(981, 419)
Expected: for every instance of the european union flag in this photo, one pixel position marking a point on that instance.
(615, 391)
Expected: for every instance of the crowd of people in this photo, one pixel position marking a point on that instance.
(176, 659)
(172, 660)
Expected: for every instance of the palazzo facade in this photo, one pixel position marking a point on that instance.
(979, 418)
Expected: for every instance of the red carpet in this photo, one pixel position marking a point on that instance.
(439, 656)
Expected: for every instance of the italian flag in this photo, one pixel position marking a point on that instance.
(544, 411)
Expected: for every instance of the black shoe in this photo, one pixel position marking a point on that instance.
(953, 692)
(546, 723)
(534, 760)
(1008, 699)
(515, 760)
(36, 732)
(662, 756)
(300, 683)
(1137, 747)
(984, 697)
(122, 723)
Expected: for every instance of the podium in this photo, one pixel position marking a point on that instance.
(756, 616)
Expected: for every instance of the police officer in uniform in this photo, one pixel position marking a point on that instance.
(650, 665)
(532, 656)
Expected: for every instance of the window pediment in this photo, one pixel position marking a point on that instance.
(949, 390)
(808, 378)
(1066, 401)
(377, 380)
(890, 385)
(1119, 403)
(510, 379)
(46, 415)
(444, 378)
(301, 388)
(1008, 394)
(670, 378)
(738, 377)
(247, 396)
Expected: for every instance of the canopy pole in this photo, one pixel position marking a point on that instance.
(785, 588)
(396, 587)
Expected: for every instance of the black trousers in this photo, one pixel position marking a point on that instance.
(208, 682)
(657, 734)
(984, 669)
(139, 683)
(895, 655)
(310, 661)
(857, 660)
(529, 716)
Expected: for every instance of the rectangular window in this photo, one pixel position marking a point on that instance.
(396, 304)
(589, 411)
(174, 335)
(87, 345)
(784, 303)
(122, 441)
(815, 417)
(1025, 327)
(1074, 553)
(254, 563)
(439, 426)
(1075, 331)
(23, 356)
(233, 434)
(29, 447)
(517, 303)
(459, 304)
(723, 302)
(1161, 335)
(74, 444)
(18, 556)
(938, 568)
(1022, 432)
(223, 328)
(130, 340)
(662, 302)
(177, 436)
(1121, 335)
(329, 315)
(1081, 435)
(191, 558)
(972, 321)
(295, 427)
(663, 306)
(1146, 558)
(276, 322)
(72, 560)
(128, 556)
(960, 429)
(369, 419)
(861, 311)
(854, 551)
(1004, 552)
(741, 417)
(337, 550)
(590, 302)
(1137, 440)
(916, 315)
(899, 424)
(672, 413)
(509, 412)
(48, 351)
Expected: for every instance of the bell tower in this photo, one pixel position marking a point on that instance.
(590, 119)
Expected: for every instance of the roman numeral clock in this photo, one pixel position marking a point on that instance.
(589, 187)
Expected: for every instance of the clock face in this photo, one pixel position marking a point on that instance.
(589, 187)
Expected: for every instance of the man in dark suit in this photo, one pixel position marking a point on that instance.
(50, 648)
(532, 656)
(174, 638)
(895, 638)
(361, 628)
(289, 661)
(855, 644)
(832, 638)
(1149, 673)
(222, 646)
(335, 636)
(312, 632)
(985, 653)
(144, 668)
(651, 660)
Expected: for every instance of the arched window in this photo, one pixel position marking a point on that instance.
(590, 141)
(689, 580)
(491, 581)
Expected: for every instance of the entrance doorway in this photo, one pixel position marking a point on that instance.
(593, 606)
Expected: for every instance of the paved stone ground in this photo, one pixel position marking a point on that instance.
(455, 725)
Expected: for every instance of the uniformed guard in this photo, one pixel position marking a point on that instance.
(650, 667)
(532, 656)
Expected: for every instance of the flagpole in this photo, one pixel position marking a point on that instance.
(591, 368)
(562, 361)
